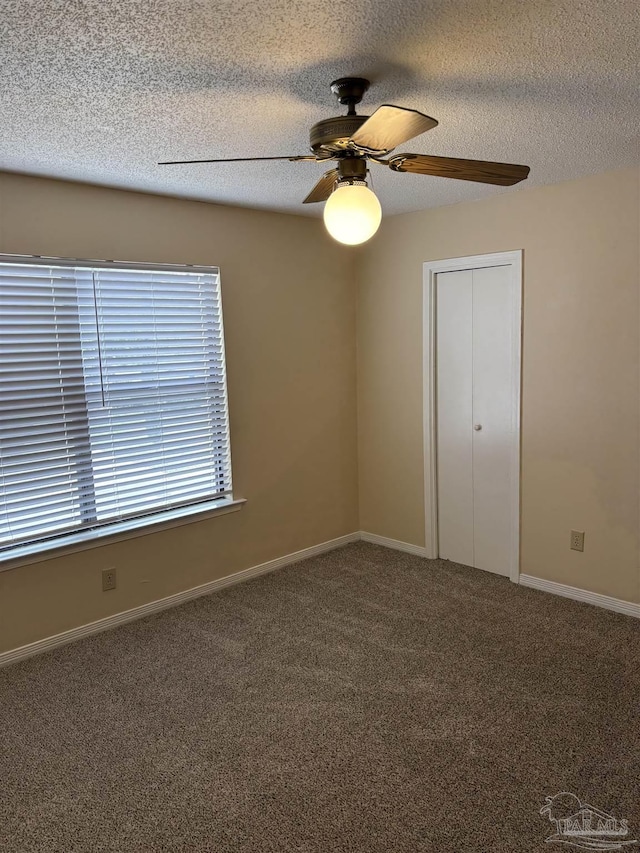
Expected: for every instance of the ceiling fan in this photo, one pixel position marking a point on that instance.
(353, 213)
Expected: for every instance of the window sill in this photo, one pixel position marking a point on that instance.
(36, 552)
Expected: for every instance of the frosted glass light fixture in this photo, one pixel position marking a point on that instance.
(352, 213)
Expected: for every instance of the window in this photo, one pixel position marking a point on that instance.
(113, 401)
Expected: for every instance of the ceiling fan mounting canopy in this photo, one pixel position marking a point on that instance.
(349, 91)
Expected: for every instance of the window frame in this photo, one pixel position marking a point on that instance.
(56, 545)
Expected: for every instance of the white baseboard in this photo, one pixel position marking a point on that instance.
(629, 608)
(396, 544)
(49, 643)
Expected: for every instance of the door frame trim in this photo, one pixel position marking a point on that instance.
(512, 259)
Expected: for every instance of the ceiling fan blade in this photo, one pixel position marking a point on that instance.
(389, 127)
(237, 160)
(483, 171)
(323, 188)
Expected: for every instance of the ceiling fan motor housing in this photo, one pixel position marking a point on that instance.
(332, 134)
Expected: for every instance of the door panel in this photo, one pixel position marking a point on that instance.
(492, 410)
(454, 415)
(475, 422)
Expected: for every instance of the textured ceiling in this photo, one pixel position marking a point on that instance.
(99, 90)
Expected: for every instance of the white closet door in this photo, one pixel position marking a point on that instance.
(475, 433)
(454, 319)
(492, 411)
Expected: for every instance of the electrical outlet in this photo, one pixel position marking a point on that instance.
(577, 540)
(108, 579)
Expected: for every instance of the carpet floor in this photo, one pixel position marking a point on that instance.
(363, 700)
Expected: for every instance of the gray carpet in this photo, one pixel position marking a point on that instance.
(364, 700)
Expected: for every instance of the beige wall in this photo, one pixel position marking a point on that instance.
(289, 303)
(290, 321)
(580, 387)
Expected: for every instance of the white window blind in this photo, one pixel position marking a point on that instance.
(113, 400)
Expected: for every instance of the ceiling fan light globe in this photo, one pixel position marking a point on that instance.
(352, 214)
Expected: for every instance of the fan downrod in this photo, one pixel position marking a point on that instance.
(349, 91)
